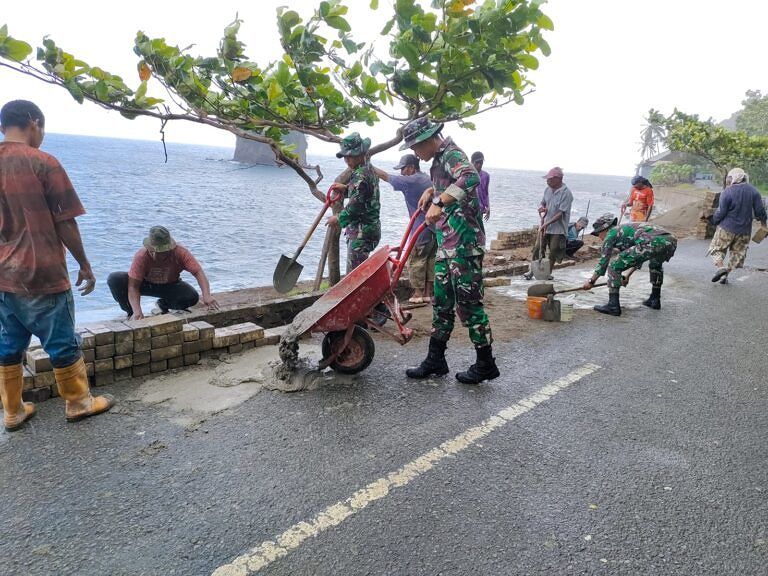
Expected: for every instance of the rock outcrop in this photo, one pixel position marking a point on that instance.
(252, 152)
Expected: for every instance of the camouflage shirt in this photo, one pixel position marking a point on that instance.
(361, 213)
(460, 232)
(620, 238)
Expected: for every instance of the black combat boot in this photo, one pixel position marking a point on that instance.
(483, 369)
(434, 363)
(654, 302)
(613, 307)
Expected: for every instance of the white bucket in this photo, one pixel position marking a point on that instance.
(566, 311)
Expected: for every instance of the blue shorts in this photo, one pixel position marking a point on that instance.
(50, 317)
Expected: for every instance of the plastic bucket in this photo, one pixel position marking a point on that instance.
(566, 311)
(534, 306)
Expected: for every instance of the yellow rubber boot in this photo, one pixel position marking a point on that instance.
(73, 387)
(15, 412)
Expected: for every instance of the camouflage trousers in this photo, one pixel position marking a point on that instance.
(656, 253)
(459, 290)
(359, 247)
(723, 242)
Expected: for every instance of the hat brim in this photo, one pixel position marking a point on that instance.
(162, 248)
(426, 135)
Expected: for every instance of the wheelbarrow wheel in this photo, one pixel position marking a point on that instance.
(356, 357)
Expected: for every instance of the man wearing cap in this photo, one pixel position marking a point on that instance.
(636, 243)
(573, 243)
(740, 203)
(360, 216)
(555, 213)
(38, 211)
(412, 182)
(478, 159)
(455, 210)
(156, 271)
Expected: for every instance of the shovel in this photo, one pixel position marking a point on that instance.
(541, 270)
(545, 289)
(287, 271)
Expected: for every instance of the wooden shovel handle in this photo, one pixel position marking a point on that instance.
(330, 198)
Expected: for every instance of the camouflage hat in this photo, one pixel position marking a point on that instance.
(419, 130)
(354, 145)
(605, 221)
(159, 239)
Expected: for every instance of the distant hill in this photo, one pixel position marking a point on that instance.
(252, 152)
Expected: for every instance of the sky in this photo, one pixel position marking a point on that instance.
(611, 61)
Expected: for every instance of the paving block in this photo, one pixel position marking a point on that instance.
(29, 379)
(235, 348)
(196, 347)
(248, 331)
(158, 366)
(122, 332)
(123, 362)
(158, 325)
(141, 358)
(89, 355)
(36, 395)
(105, 351)
(159, 341)
(144, 345)
(141, 370)
(272, 335)
(90, 369)
(103, 378)
(224, 337)
(103, 365)
(191, 333)
(141, 331)
(204, 329)
(190, 359)
(166, 353)
(123, 348)
(497, 281)
(45, 379)
(103, 334)
(175, 362)
(38, 361)
(123, 375)
(174, 339)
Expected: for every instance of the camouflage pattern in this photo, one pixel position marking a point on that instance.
(460, 232)
(354, 145)
(459, 286)
(360, 216)
(636, 243)
(419, 130)
(723, 242)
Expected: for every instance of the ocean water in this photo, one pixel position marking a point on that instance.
(238, 219)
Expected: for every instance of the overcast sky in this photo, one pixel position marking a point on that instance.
(611, 61)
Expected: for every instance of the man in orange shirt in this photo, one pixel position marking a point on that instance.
(640, 200)
(38, 207)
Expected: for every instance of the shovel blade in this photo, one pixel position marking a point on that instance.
(286, 274)
(541, 290)
(540, 269)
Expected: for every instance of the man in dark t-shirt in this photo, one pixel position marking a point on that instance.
(38, 207)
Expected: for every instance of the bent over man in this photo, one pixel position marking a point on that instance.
(455, 209)
(636, 243)
(38, 207)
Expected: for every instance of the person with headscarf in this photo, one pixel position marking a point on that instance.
(740, 204)
(640, 201)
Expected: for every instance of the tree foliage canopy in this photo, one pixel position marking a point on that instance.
(753, 118)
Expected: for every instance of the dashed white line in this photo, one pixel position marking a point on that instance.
(268, 552)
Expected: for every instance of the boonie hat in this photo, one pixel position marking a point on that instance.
(477, 157)
(159, 239)
(419, 130)
(555, 172)
(605, 221)
(407, 160)
(354, 145)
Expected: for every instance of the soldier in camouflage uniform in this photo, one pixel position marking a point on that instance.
(636, 243)
(455, 210)
(360, 217)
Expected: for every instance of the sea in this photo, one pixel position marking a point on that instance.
(238, 219)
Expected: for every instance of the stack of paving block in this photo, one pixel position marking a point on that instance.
(518, 239)
(238, 337)
(705, 230)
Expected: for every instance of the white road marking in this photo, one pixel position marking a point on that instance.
(268, 552)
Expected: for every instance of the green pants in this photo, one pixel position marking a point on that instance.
(459, 290)
(360, 246)
(656, 253)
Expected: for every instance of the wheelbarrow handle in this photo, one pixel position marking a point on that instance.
(403, 255)
(331, 197)
(399, 250)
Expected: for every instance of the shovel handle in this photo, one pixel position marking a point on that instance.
(331, 197)
(579, 288)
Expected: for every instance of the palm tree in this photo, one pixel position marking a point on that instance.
(653, 134)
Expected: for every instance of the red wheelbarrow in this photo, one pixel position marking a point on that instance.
(345, 311)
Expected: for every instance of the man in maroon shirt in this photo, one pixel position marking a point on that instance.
(38, 207)
(156, 271)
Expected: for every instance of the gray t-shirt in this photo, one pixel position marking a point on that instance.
(412, 188)
(559, 200)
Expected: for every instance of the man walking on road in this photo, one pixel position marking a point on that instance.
(38, 207)
(156, 271)
(740, 203)
(636, 243)
(455, 209)
(412, 182)
(555, 214)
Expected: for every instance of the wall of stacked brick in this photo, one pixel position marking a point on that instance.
(517, 239)
(705, 230)
(117, 351)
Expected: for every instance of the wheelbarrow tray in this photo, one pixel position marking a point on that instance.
(351, 299)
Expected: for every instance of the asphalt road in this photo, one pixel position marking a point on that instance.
(655, 463)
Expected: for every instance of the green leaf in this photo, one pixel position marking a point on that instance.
(528, 61)
(545, 22)
(387, 27)
(75, 90)
(102, 91)
(374, 4)
(370, 85)
(3, 33)
(15, 50)
(290, 18)
(274, 91)
(141, 92)
(339, 23)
